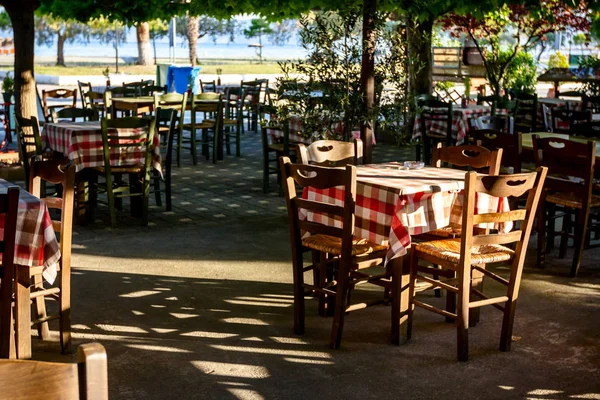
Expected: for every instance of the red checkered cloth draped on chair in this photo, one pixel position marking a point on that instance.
(393, 203)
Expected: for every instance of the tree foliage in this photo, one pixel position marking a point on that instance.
(50, 30)
(282, 32)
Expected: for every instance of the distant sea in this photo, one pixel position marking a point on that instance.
(206, 50)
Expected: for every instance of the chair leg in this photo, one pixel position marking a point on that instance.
(215, 146)
(343, 277)
(65, 314)
(551, 229)
(227, 140)
(237, 141)
(462, 313)
(414, 262)
(179, 146)
(156, 179)
(265, 171)
(564, 237)
(507, 324)
(40, 308)
(169, 206)
(580, 230)
(193, 146)
(145, 195)
(111, 202)
(298, 293)
(541, 231)
(476, 283)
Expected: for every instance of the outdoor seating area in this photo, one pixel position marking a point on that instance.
(368, 213)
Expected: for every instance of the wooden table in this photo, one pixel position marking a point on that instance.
(393, 203)
(136, 105)
(35, 245)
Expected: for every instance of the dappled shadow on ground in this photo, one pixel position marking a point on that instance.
(170, 337)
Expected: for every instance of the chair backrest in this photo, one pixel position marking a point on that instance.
(592, 103)
(565, 160)
(510, 186)
(526, 112)
(331, 153)
(55, 171)
(569, 118)
(59, 93)
(151, 90)
(208, 86)
(320, 178)
(233, 96)
(497, 122)
(435, 112)
(127, 135)
(167, 118)
(86, 380)
(73, 113)
(589, 129)
(137, 85)
(9, 204)
(29, 141)
(468, 156)
(491, 101)
(170, 101)
(510, 145)
(571, 95)
(421, 98)
(84, 89)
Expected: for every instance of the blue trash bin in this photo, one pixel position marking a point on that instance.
(178, 79)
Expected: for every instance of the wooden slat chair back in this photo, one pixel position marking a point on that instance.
(569, 185)
(589, 129)
(128, 135)
(9, 204)
(74, 113)
(209, 104)
(435, 112)
(233, 117)
(174, 101)
(58, 173)
(118, 92)
(491, 101)
(510, 145)
(59, 93)
(526, 112)
(208, 86)
(252, 101)
(331, 153)
(468, 156)
(421, 98)
(37, 380)
(84, 89)
(571, 95)
(170, 119)
(592, 103)
(272, 150)
(328, 244)
(497, 122)
(461, 258)
(152, 90)
(570, 117)
(137, 85)
(29, 141)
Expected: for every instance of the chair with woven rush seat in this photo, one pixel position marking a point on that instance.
(59, 93)
(463, 256)
(435, 112)
(9, 204)
(569, 187)
(29, 141)
(205, 103)
(57, 173)
(331, 153)
(125, 136)
(173, 101)
(91, 99)
(338, 257)
(233, 118)
(37, 380)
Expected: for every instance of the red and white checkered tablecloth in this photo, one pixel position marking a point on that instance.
(35, 241)
(296, 126)
(550, 103)
(460, 122)
(393, 203)
(81, 142)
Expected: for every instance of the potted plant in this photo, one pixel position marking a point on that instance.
(8, 87)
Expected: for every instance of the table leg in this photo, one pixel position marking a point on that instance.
(83, 211)
(22, 313)
(401, 279)
(220, 141)
(7, 349)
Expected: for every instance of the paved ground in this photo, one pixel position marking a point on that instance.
(198, 306)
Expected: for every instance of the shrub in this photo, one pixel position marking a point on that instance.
(558, 60)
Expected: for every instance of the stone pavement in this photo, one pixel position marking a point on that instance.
(198, 306)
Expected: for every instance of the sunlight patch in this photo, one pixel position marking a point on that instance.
(232, 370)
(272, 299)
(245, 394)
(256, 303)
(80, 327)
(166, 349)
(164, 330)
(287, 340)
(506, 387)
(121, 328)
(184, 316)
(245, 321)
(259, 350)
(543, 392)
(140, 293)
(211, 335)
(135, 312)
(307, 361)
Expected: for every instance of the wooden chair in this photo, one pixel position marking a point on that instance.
(510, 145)
(134, 134)
(174, 101)
(571, 95)
(233, 118)
(590, 129)
(86, 380)
(499, 123)
(9, 204)
(572, 118)
(491, 101)
(57, 173)
(331, 153)
(461, 258)
(338, 256)
(435, 112)
(208, 86)
(137, 86)
(58, 94)
(272, 150)
(168, 124)
(73, 114)
(565, 158)
(420, 99)
(84, 89)
(29, 142)
(526, 111)
(592, 103)
(197, 105)
(118, 92)
(251, 102)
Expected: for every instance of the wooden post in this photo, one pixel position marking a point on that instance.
(367, 78)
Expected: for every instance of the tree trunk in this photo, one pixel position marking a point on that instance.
(21, 17)
(367, 75)
(143, 42)
(192, 36)
(60, 49)
(419, 51)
